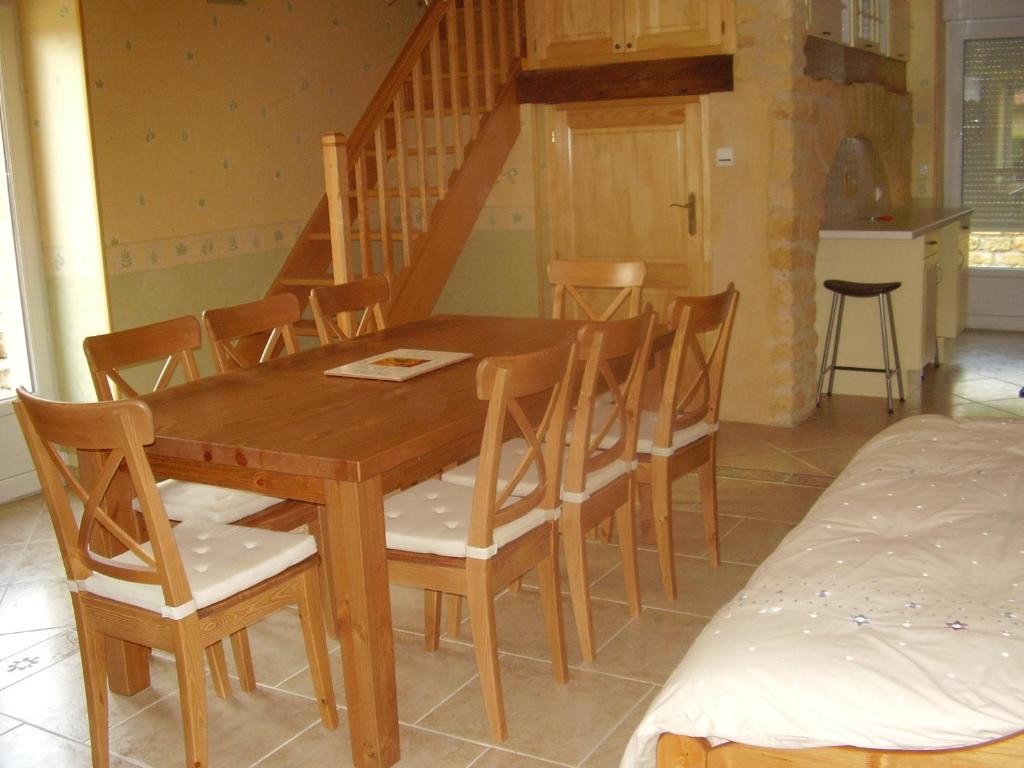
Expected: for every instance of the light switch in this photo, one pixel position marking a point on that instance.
(723, 156)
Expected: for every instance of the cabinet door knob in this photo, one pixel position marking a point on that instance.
(618, 46)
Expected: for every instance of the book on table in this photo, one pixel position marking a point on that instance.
(398, 364)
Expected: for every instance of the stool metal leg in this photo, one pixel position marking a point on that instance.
(885, 351)
(824, 352)
(835, 345)
(895, 348)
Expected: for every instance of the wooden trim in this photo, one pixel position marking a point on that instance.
(629, 80)
(827, 60)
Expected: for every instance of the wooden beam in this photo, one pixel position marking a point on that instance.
(628, 80)
(827, 60)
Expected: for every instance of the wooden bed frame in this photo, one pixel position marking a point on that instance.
(688, 752)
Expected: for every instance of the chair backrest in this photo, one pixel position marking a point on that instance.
(111, 435)
(229, 327)
(696, 364)
(512, 386)
(173, 341)
(334, 305)
(571, 276)
(616, 355)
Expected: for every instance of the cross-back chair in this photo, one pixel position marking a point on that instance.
(680, 436)
(184, 589)
(175, 342)
(335, 308)
(574, 278)
(230, 328)
(471, 540)
(596, 479)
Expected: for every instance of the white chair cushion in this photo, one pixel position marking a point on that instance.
(433, 518)
(196, 501)
(512, 452)
(648, 424)
(219, 560)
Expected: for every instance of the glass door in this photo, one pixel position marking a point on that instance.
(24, 329)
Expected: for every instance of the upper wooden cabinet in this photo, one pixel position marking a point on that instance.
(878, 26)
(825, 19)
(899, 29)
(573, 32)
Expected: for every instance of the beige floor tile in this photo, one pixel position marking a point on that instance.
(520, 622)
(1014, 406)
(30, 660)
(7, 723)
(608, 754)
(978, 411)
(553, 722)
(317, 746)
(767, 501)
(10, 559)
(827, 461)
(688, 533)
(601, 558)
(242, 729)
(278, 650)
(986, 389)
(40, 561)
(498, 758)
(650, 646)
(701, 589)
(20, 519)
(54, 698)
(423, 679)
(752, 541)
(36, 605)
(28, 747)
(19, 642)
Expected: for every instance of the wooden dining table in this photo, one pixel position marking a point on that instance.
(286, 429)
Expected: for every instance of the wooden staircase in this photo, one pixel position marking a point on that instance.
(404, 190)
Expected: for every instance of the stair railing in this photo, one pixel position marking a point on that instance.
(461, 54)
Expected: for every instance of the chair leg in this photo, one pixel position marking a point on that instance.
(576, 565)
(454, 610)
(709, 504)
(515, 585)
(218, 665)
(480, 597)
(661, 507)
(431, 619)
(315, 530)
(627, 552)
(92, 647)
(551, 602)
(310, 616)
(189, 659)
(243, 660)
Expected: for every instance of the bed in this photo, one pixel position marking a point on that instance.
(887, 628)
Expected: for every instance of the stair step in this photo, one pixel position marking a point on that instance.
(376, 236)
(390, 152)
(413, 191)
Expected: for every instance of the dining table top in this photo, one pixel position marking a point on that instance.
(288, 416)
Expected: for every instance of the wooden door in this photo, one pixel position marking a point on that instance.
(618, 174)
(654, 24)
(568, 29)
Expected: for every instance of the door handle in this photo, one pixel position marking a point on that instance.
(691, 212)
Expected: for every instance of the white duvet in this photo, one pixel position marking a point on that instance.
(892, 617)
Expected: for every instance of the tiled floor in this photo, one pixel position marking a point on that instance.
(768, 478)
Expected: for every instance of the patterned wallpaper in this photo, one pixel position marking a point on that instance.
(207, 118)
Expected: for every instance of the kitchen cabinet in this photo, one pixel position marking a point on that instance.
(565, 33)
(869, 25)
(825, 19)
(899, 30)
(911, 247)
(954, 246)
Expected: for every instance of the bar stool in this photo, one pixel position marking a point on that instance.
(840, 290)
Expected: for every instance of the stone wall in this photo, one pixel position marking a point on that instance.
(809, 119)
(997, 249)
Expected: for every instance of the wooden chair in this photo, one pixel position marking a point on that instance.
(182, 591)
(230, 327)
(471, 540)
(175, 342)
(570, 276)
(680, 436)
(334, 305)
(597, 479)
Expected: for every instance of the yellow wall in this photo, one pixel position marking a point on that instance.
(65, 189)
(926, 82)
(206, 124)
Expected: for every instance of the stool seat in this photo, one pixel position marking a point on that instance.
(848, 288)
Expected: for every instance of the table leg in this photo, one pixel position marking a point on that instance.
(352, 521)
(127, 663)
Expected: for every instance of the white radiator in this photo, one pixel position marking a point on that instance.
(996, 299)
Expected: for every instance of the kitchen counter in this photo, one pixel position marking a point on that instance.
(895, 224)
